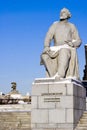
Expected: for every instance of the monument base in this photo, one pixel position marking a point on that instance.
(57, 105)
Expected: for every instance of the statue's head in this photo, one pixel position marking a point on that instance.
(13, 85)
(65, 14)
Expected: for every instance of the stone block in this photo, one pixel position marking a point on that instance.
(75, 102)
(34, 102)
(70, 115)
(58, 89)
(67, 102)
(67, 126)
(33, 125)
(42, 129)
(69, 89)
(77, 115)
(47, 126)
(81, 103)
(57, 116)
(83, 92)
(57, 105)
(39, 116)
(38, 89)
(46, 102)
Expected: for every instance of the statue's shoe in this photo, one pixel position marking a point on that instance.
(57, 77)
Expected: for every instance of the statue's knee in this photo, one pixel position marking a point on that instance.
(65, 52)
(68, 53)
(44, 57)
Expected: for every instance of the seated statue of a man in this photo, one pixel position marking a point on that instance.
(61, 60)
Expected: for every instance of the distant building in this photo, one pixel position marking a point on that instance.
(14, 97)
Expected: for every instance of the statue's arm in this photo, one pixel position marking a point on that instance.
(76, 41)
(49, 36)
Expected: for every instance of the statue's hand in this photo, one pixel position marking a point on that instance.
(69, 43)
(46, 49)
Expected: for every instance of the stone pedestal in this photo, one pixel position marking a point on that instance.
(57, 105)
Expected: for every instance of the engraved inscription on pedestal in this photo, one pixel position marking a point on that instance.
(48, 97)
(50, 94)
(51, 99)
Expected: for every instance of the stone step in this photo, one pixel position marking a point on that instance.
(15, 129)
(10, 116)
(15, 120)
(85, 115)
(82, 125)
(85, 112)
(15, 107)
(83, 122)
(18, 122)
(14, 114)
(81, 128)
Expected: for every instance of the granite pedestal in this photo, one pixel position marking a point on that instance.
(57, 105)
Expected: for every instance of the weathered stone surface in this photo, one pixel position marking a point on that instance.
(57, 116)
(15, 120)
(38, 89)
(39, 116)
(57, 105)
(82, 125)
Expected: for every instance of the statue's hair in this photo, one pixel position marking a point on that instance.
(68, 14)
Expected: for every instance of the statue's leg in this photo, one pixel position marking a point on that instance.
(63, 61)
(48, 64)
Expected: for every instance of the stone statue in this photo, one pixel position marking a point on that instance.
(61, 60)
(13, 86)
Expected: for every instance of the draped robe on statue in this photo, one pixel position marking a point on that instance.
(66, 41)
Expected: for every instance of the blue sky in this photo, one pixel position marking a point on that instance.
(23, 26)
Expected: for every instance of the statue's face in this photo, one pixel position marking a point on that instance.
(63, 15)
